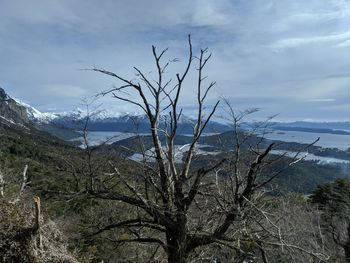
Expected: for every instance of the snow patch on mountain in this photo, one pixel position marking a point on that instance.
(36, 115)
(95, 116)
(8, 120)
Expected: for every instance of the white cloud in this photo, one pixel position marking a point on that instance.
(321, 100)
(37, 12)
(63, 90)
(344, 44)
(210, 14)
(295, 42)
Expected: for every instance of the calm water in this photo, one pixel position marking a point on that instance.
(97, 138)
(326, 140)
(341, 142)
(179, 151)
(311, 157)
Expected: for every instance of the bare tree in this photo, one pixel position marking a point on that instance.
(2, 183)
(185, 207)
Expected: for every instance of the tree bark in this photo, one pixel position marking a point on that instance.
(346, 246)
(176, 252)
(177, 242)
(2, 182)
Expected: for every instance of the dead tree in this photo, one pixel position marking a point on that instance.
(2, 182)
(179, 207)
(24, 237)
(17, 228)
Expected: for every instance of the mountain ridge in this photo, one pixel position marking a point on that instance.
(67, 125)
(13, 111)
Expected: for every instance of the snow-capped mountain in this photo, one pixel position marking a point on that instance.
(17, 112)
(35, 115)
(105, 120)
(18, 115)
(126, 122)
(11, 112)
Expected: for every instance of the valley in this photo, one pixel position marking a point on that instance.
(124, 133)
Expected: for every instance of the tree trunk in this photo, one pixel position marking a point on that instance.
(347, 252)
(177, 244)
(176, 256)
(2, 182)
(346, 246)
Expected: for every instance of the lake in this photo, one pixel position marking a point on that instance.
(99, 137)
(311, 157)
(341, 142)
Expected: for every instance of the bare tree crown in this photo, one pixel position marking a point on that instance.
(182, 208)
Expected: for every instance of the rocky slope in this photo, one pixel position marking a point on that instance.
(11, 112)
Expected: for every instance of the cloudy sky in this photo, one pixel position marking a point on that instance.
(286, 57)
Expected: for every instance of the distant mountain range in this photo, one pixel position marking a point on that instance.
(129, 123)
(67, 125)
